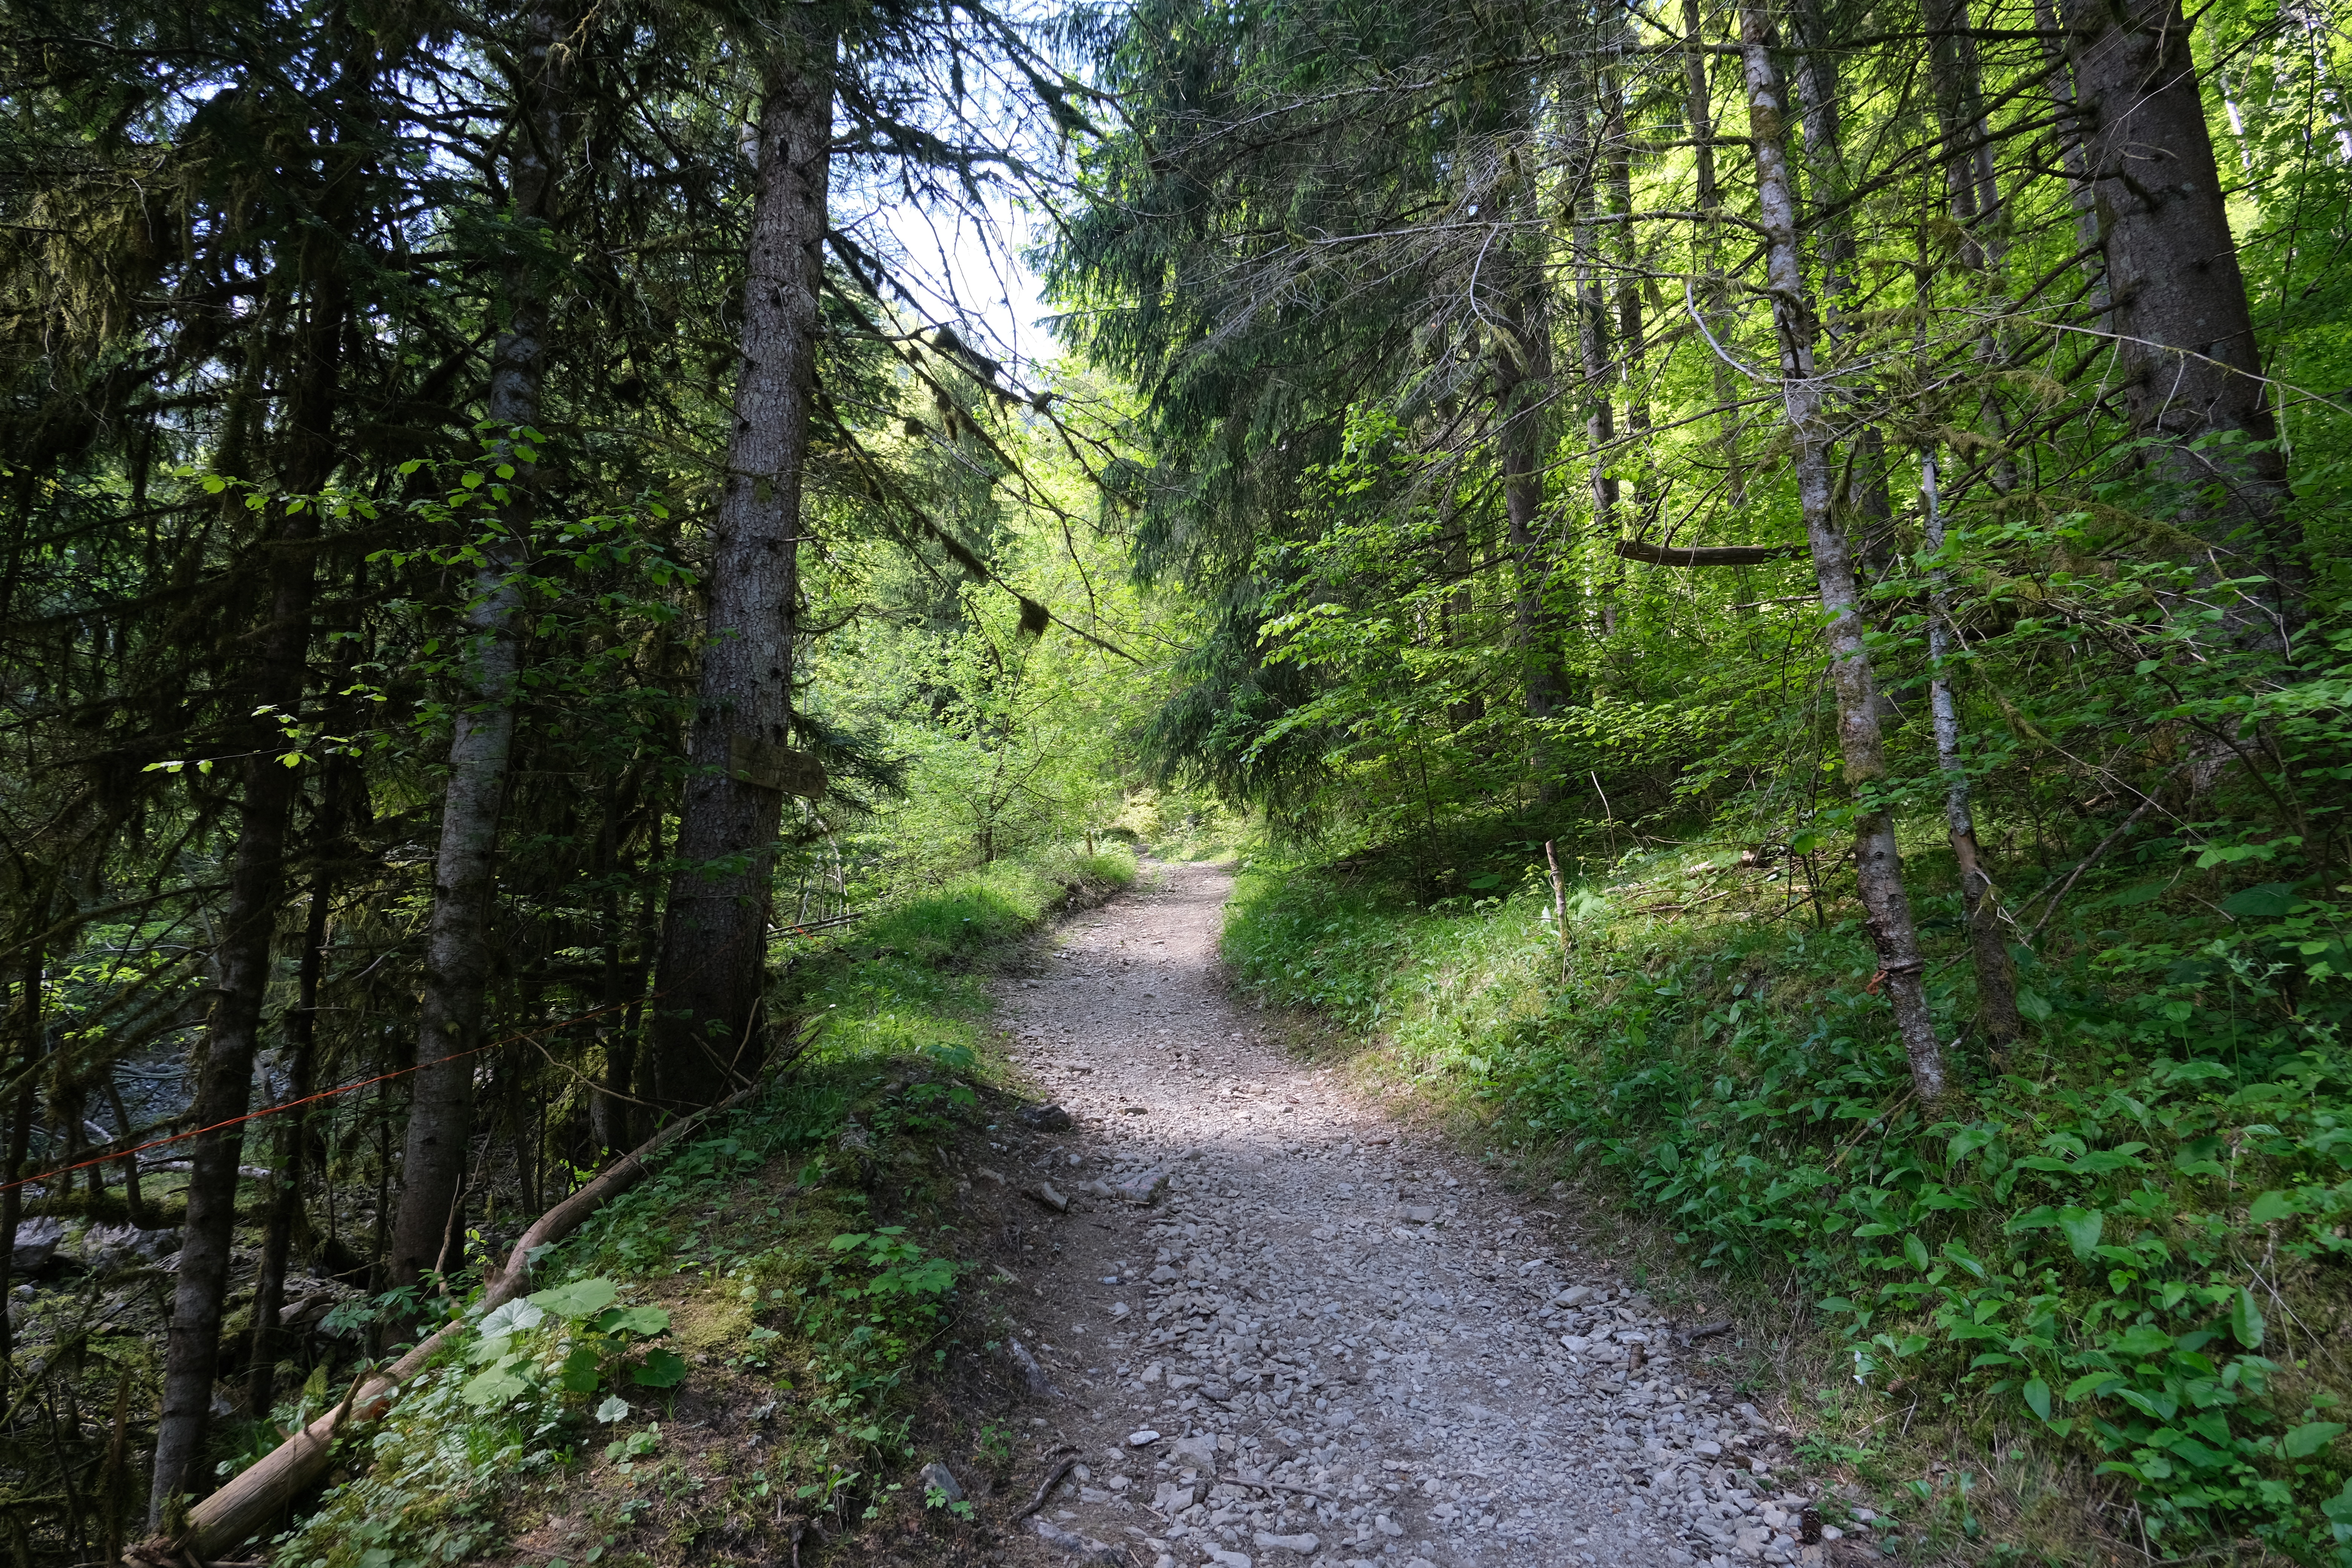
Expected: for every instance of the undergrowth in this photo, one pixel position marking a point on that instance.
(2127, 1241)
(795, 1258)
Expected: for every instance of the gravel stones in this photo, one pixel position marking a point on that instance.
(1373, 1354)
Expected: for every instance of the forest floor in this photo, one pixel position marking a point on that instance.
(1332, 1337)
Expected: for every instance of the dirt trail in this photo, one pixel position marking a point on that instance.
(1395, 1364)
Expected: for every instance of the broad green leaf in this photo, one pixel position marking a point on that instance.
(513, 1318)
(2246, 1320)
(491, 1386)
(2309, 1439)
(579, 1373)
(1917, 1251)
(2081, 1228)
(2037, 1398)
(2142, 1340)
(643, 1321)
(2270, 1207)
(660, 1369)
(580, 1298)
(615, 1408)
(2268, 901)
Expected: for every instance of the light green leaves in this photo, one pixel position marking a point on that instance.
(2272, 1207)
(2081, 1228)
(643, 1321)
(2037, 1398)
(2309, 1439)
(613, 1408)
(580, 1298)
(2246, 1320)
(493, 1385)
(514, 1316)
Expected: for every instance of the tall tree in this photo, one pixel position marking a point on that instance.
(1878, 865)
(458, 951)
(2184, 334)
(715, 939)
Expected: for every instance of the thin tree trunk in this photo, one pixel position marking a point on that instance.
(1821, 109)
(1594, 366)
(30, 1041)
(2079, 194)
(1707, 246)
(1878, 869)
(256, 876)
(481, 746)
(714, 941)
(1996, 977)
(286, 1169)
(2184, 334)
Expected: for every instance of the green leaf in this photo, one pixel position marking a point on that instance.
(2142, 1340)
(491, 1386)
(2270, 1207)
(615, 1408)
(643, 1321)
(2037, 1398)
(2309, 1439)
(579, 1373)
(511, 1318)
(2246, 1320)
(660, 1369)
(2268, 901)
(580, 1298)
(2081, 1228)
(1917, 1251)
(1969, 1139)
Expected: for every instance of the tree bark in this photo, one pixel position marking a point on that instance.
(2184, 334)
(1709, 199)
(30, 1043)
(2079, 194)
(714, 941)
(1979, 900)
(481, 745)
(256, 876)
(286, 1168)
(1878, 869)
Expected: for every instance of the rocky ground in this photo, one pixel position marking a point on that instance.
(1281, 1330)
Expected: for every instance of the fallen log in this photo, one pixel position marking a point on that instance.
(258, 1495)
(1708, 554)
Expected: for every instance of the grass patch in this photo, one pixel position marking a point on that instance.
(2103, 1290)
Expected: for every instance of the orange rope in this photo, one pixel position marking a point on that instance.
(108, 1159)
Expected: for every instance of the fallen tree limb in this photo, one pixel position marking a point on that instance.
(1708, 554)
(259, 1494)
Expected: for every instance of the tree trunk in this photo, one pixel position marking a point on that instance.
(1996, 977)
(286, 1169)
(256, 876)
(1709, 198)
(2061, 76)
(1878, 869)
(30, 1041)
(1821, 108)
(481, 745)
(714, 941)
(2184, 335)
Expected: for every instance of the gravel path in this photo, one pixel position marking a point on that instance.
(1353, 1348)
